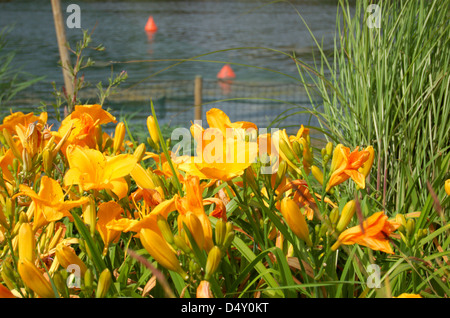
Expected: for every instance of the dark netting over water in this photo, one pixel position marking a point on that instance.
(268, 105)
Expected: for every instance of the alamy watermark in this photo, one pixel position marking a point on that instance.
(74, 278)
(73, 21)
(374, 279)
(374, 19)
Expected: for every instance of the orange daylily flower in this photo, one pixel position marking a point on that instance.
(145, 219)
(162, 162)
(49, 204)
(377, 229)
(5, 161)
(18, 118)
(218, 119)
(95, 111)
(108, 211)
(82, 125)
(346, 164)
(193, 202)
(222, 151)
(303, 197)
(90, 169)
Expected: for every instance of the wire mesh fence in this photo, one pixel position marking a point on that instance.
(267, 104)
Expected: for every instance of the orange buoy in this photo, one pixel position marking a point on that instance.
(226, 72)
(151, 25)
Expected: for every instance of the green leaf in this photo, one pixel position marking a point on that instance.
(250, 256)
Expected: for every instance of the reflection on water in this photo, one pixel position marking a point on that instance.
(249, 34)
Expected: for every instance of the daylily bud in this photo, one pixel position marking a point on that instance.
(139, 152)
(204, 290)
(329, 148)
(323, 229)
(250, 178)
(23, 218)
(11, 144)
(195, 228)
(298, 148)
(99, 136)
(55, 239)
(34, 279)
(8, 274)
(410, 225)
(228, 239)
(334, 216)
(160, 250)
(119, 136)
(67, 257)
(165, 229)
(365, 168)
(220, 232)
(152, 129)
(3, 218)
(317, 173)
(50, 144)
(180, 242)
(27, 242)
(295, 219)
(194, 267)
(281, 173)
(400, 218)
(346, 216)
(104, 282)
(338, 157)
(447, 186)
(90, 215)
(88, 280)
(286, 150)
(26, 160)
(61, 284)
(212, 262)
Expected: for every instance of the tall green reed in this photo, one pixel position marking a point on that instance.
(389, 87)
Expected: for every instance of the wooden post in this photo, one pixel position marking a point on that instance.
(198, 98)
(63, 51)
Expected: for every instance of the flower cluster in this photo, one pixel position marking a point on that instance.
(77, 205)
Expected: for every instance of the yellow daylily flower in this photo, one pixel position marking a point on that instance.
(49, 204)
(108, 211)
(90, 169)
(223, 152)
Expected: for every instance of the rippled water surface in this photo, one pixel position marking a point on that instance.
(186, 29)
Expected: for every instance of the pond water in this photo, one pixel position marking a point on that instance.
(229, 31)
